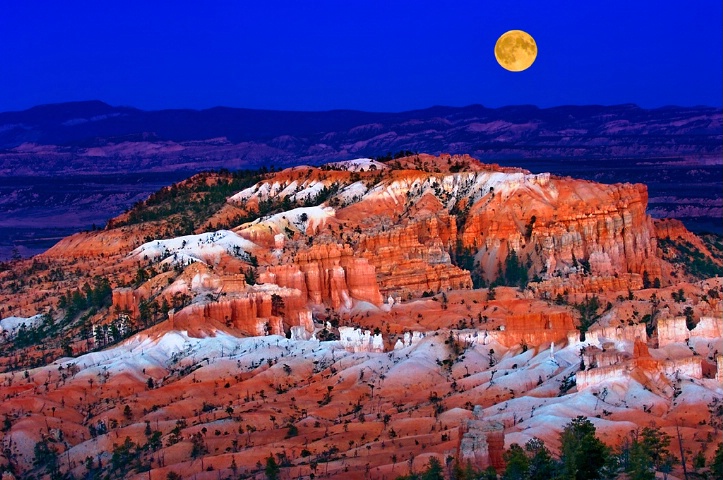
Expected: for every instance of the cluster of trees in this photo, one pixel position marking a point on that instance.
(276, 204)
(583, 456)
(647, 283)
(694, 261)
(96, 295)
(514, 274)
(27, 335)
(588, 310)
(390, 156)
(149, 313)
(112, 332)
(464, 258)
(196, 200)
(125, 458)
(92, 296)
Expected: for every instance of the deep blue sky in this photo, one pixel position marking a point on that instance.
(368, 55)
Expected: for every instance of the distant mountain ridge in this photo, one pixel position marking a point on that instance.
(94, 123)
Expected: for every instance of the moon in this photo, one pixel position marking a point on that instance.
(515, 50)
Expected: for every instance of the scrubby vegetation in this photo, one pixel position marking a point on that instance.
(694, 262)
(514, 273)
(582, 456)
(89, 299)
(188, 204)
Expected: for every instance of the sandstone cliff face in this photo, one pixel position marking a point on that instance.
(672, 330)
(254, 313)
(482, 444)
(394, 233)
(414, 258)
(397, 232)
(330, 274)
(574, 221)
(128, 300)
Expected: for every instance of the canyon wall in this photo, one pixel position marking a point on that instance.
(559, 223)
(672, 330)
(330, 273)
(254, 313)
(413, 258)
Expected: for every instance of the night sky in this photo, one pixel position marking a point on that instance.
(367, 55)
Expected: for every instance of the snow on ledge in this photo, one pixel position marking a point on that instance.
(12, 324)
(358, 165)
(205, 247)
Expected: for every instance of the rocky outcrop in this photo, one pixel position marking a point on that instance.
(595, 357)
(97, 244)
(708, 327)
(329, 273)
(409, 339)
(255, 313)
(127, 300)
(413, 259)
(672, 330)
(689, 367)
(600, 335)
(585, 379)
(656, 375)
(673, 229)
(355, 340)
(533, 329)
(482, 443)
(525, 329)
(561, 224)
(288, 276)
(577, 283)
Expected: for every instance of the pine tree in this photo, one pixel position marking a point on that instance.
(582, 454)
(46, 457)
(541, 465)
(517, 463)
(434, 470)
(272, 469)
(716, 467)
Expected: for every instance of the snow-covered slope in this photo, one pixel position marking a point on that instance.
(11, 324)
(303, 219)
(205, 247)
(358, 165)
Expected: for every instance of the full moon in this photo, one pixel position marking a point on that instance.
(515, 50)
